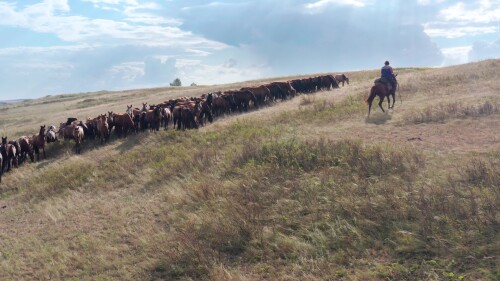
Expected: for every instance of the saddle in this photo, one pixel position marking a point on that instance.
(385, 81)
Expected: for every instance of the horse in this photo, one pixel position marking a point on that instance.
(130, 110)
(381, 90)
(204, 112)
(1, 167)
(51, 135)
(103, 128)
(242, 99)
(26, 148)
(342, 78)
(189, 113)
(152, 118)
(9, 153)
(262, 94)
(166, 115)
(78, 135)
(38, 142)
(66, 130)
(18, 149)
(328, 82)
(123, 122)
(90, 128)
(219, 104)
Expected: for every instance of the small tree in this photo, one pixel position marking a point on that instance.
(193, 84)
(176, 83)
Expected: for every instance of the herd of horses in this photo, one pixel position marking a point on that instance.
(184, 113)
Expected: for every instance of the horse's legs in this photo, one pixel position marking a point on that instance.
(37, 152)
(43, 148)
(393, 99)
(380, 104)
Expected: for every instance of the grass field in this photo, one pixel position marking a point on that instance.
(307, 189)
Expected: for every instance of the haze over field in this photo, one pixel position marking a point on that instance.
(60, 46)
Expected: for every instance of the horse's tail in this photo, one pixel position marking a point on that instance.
(373, 94)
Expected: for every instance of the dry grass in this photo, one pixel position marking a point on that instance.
(307, 189)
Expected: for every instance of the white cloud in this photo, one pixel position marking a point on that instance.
(46, 50)
(456, 55)
(429, 2)
(127, 71)
(461, 20)
(486, 12)
(458, 31)
(51, 16)
(212, 5)
(323, 3)
(211, 74)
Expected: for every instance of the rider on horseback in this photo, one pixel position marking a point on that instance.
(388, 75)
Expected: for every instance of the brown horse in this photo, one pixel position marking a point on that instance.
(9, 154)
(204, 112)
(176, 114)
(262, 94)
(342, 78)
(152, 118)
(189, 112)
(165, 114)
(1, 167)
(222, 104)
(38, 142)
(103, 128)
(26, 148)
(382, 91)
(66, 130)
(122, 122)
(242, 99)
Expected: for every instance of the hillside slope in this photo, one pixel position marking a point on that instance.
(307, 189)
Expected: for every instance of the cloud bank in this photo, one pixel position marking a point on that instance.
(60, 46)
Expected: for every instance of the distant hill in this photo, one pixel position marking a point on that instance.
(2, 102)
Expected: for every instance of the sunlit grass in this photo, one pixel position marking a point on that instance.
(307, 189)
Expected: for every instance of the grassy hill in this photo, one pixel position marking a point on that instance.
(307, 189)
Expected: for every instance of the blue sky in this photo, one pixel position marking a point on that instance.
(53, 47)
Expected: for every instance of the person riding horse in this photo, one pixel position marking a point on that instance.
(388, 76)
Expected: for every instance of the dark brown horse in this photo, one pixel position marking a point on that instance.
(242, 99)
(152, 118)
(103, 128)
(262, 94)
(204, 112)
(38, 142)
(189, 112)
(9, 154)
(382, 91)
(26, 149)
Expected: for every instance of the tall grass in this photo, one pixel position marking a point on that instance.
(444, 111)
(257, 199)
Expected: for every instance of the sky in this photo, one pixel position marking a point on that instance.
(51, 47)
